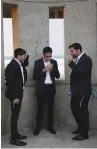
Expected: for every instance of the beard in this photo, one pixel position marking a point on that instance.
(74, 56)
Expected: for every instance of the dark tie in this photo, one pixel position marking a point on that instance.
(76, 61)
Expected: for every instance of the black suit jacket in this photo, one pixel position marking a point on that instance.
(14, 81)
(80, 78)
(41, 76)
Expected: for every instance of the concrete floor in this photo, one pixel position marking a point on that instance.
(63, 139)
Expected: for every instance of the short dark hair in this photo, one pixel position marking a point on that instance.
(19, 51)
(76, 46)
(47, 50)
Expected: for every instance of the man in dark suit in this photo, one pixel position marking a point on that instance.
(15, 81)
(45, 72)
(80, 83)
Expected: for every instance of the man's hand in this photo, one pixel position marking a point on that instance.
(50, 66)
(47, 68)
(70, 59)
(16, 101)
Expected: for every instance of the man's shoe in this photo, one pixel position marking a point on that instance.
(36, 132)
(80, 137)
(51, 130)
(21, 137)
(76, 131)
(17, 142)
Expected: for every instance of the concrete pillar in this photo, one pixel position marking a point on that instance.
(4, 101)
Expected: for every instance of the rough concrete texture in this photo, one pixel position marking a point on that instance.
(63, 139)
(80, 26)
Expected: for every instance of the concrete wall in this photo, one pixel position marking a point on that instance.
(80, 26)
(4, 101)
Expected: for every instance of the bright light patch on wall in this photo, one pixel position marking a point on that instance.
(8, 40)
(56, 42)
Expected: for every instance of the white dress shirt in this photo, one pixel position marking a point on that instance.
(21, 69)
(48, 78)
(78, 58)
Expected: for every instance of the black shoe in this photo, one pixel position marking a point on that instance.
(17, 142)
(36, 132)
(80, 137)
(51, 130)
(76, 131)
(21, 137)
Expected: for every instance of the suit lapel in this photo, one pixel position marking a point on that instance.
(82, 58)
(42, 66)
(51, 61)
(53, 66)
(42, 63)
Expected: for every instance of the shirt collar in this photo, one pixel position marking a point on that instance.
(18, 61)
(45, 61)
(80, 55)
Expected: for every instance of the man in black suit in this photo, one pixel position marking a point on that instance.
(45, 72)
(16, 76)
(80, 83)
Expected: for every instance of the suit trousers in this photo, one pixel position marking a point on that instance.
(79, 108)
(15, 110)
(46, 96)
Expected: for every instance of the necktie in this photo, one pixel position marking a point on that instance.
(77, 61)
